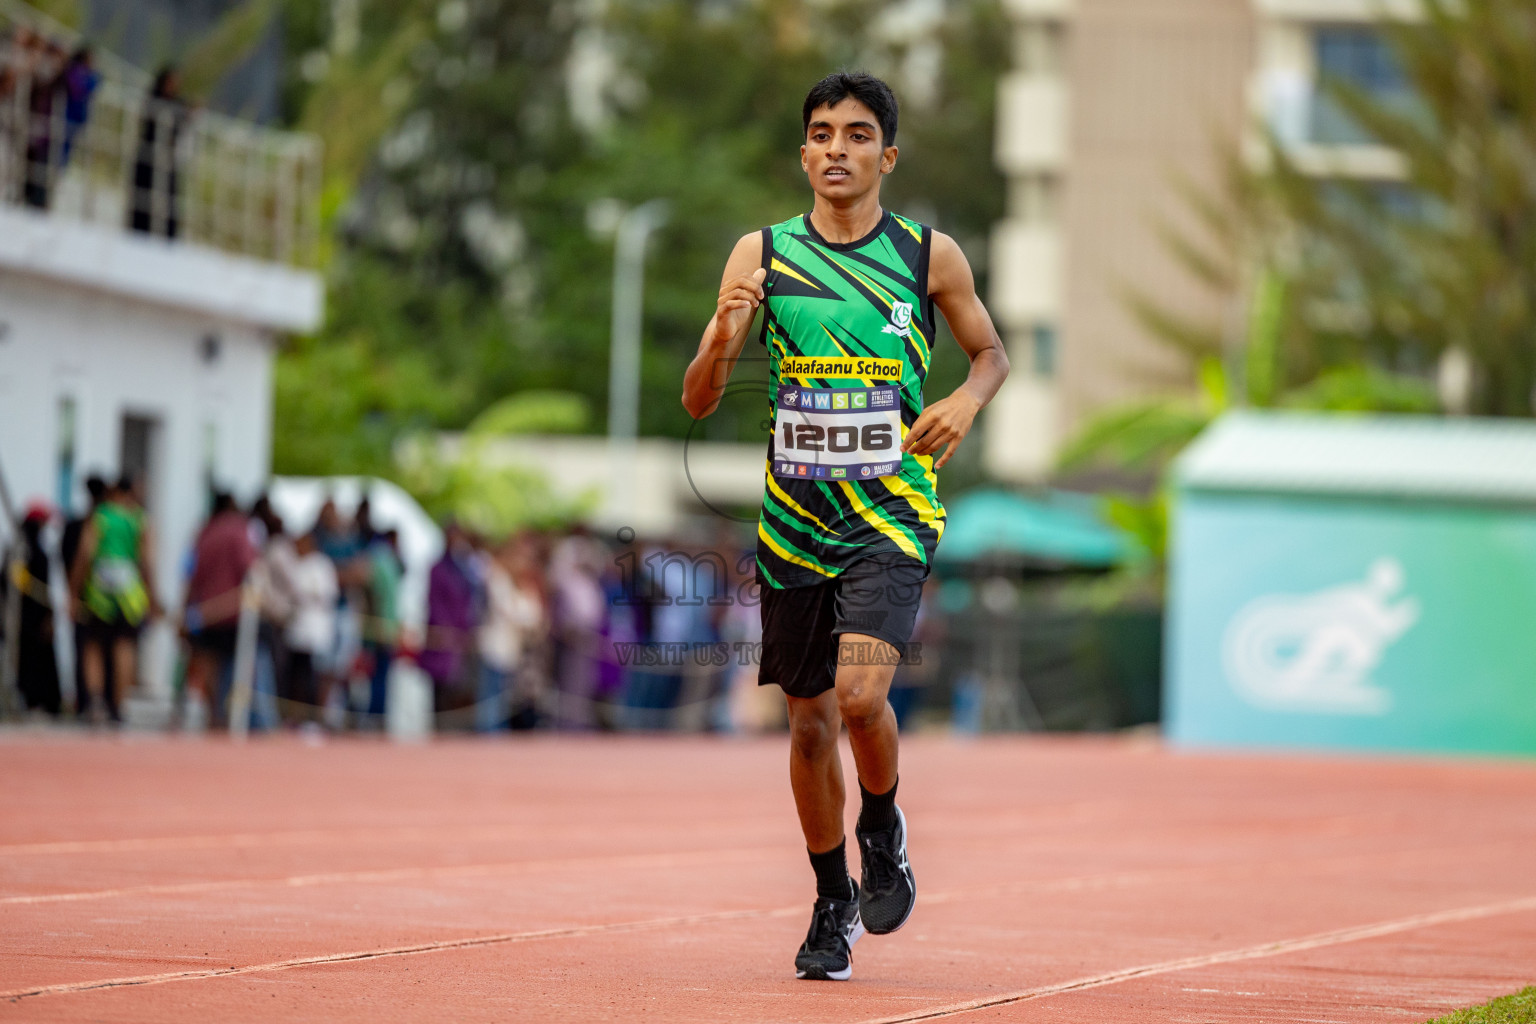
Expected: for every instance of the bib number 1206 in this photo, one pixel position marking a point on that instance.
(813, 437)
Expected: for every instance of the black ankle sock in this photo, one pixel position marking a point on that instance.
(832, 873)
(878, 811)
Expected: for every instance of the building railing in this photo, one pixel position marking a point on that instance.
(96, 146)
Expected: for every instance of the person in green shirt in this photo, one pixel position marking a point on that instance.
(851, 515)
(381, 629)
(113, 593)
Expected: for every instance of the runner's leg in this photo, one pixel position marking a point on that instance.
(865, 668)
(815, 770)
(93, 669)
(124, 670)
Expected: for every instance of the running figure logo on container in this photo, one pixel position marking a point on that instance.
(1317, 652)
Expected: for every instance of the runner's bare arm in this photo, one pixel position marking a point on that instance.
(147, 570)
(84, 554)
(741, 291)
(947, 421)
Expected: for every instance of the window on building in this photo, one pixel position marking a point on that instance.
(1042, 350)
(210, 461)
(1033, 198)
(139, 454)
(1362, 57)
(65, 483)
(1037, 47)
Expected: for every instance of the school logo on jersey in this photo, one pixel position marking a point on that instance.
(901, 320)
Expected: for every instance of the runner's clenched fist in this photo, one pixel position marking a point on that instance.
(739, 299)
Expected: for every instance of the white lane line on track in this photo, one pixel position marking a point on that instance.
(418, 948)
(663, 859)
(385, 875)
(1268, 949)
(1337, 937)
(302, 837)
(1045, 820)
(1069, 884)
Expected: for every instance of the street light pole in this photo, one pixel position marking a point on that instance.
(634, 230)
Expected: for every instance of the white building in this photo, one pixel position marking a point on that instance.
(130, 352)
(1110, 104)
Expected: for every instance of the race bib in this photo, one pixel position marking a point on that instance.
(115, 576)
(837, 433)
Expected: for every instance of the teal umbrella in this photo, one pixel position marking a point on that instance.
(1055, 527)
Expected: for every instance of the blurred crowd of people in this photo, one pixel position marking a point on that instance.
(535, 629)
(46, 93)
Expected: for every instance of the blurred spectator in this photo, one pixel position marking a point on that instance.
(311, 628)
(156, 176)
(580, 608)
(381, 609)
(362, 523)
(69, 547)
(454, 602)
(272, 576)
(336, 536)
(47, 65)
(19, 55)
(920, 669)
(513, 614)
(77, 82)
(222, 555)
(340, 541)
(28, 570)
(112, 585)
(531, 681)
(753, 708)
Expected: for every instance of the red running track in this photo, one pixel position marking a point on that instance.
(584, 879)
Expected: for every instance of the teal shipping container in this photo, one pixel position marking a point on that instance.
(1354, 582)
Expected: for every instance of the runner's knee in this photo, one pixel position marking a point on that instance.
(861, 704)
(812, 735)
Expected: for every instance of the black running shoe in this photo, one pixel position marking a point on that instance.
(827, 954)
(889, 891)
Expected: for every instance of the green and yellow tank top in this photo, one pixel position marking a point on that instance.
(115, 590)
(849, 332)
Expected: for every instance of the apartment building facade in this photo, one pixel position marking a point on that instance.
(1111, 110)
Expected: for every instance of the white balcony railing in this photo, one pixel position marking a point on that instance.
(137, 163)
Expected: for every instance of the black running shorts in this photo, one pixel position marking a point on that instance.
(877, 597)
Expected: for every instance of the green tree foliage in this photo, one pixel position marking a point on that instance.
(1354, 289)
(1447, 259)
(492, 496)
(474, 247)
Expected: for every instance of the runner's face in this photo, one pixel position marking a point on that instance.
(843, 153)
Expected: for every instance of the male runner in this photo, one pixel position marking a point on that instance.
(850, 519)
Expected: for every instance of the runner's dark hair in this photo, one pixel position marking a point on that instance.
(865, 88)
